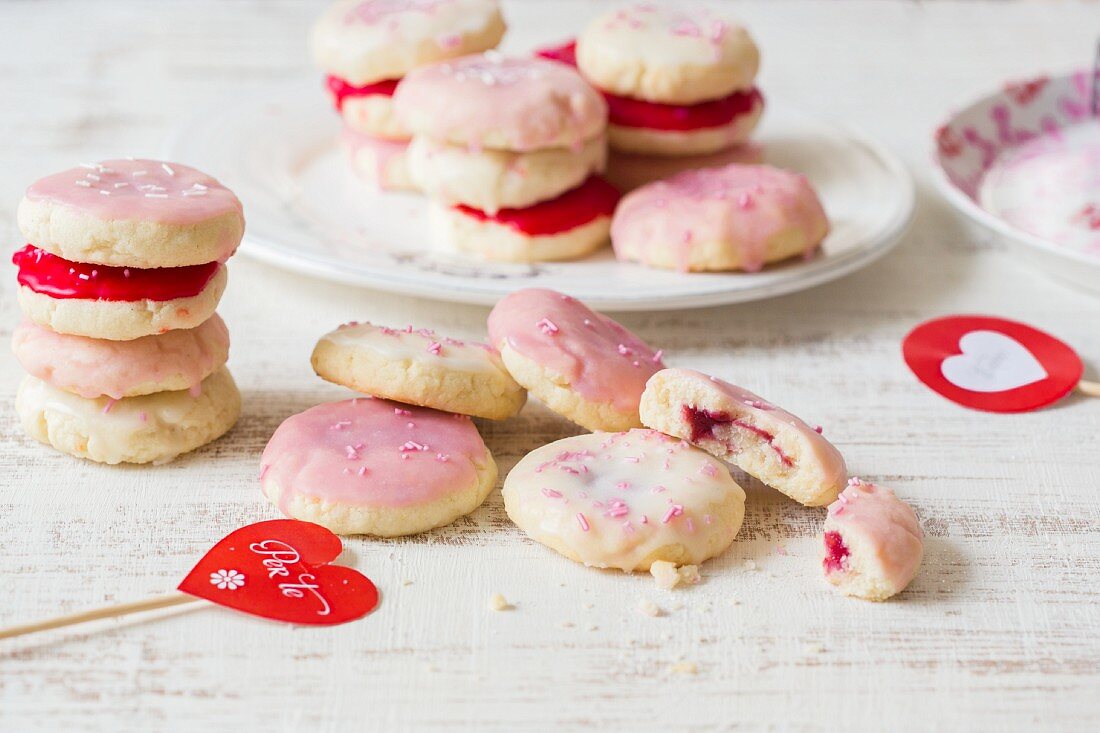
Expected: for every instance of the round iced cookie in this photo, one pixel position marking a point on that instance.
(491, 180)
(115, 303)
(133, 213)
(873, 544)
(152, 428)
(627, 171)
(367, 41)
(738, 426)
(419, 367)
(667, 54)
(489, 101)
(625, 500)
(91, 368)
(656, 141)
(370, 466)
(581, 364)
(567, 227)
(739, 217)
(380, 163)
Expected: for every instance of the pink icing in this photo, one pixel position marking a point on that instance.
(884, 524)
(522, 103)
(602, 361)
(144, 190)
(371, 12)
(373, 452)
(94, 367)
(744, 205)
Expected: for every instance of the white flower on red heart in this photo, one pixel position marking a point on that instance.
(227, 579)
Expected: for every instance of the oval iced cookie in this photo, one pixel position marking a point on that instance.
(873, 543)
(419, 367)
(581, 364)
(625, 500)
(371, 466)
(736, 425)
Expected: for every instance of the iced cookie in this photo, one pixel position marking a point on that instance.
(490, 180)
(419, 367)
(581, 364)
(628, 171)
(625, 500)
(873, 543)
(370, 466)
(90, 368)
(133, 214)
(113, 302)
(736, 425)
(489, 101)
(572, 225)
(740, 217)
(367, 46)
(381, 163)
(153, 428)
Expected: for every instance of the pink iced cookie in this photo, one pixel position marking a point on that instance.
(581, 364)
(91, 368)
(371, 466)
(133, 213)
(873, 543)
(489, 101)
(734, 424)
(740, 217)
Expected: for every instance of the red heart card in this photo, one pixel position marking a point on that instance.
(991, 364)
(280, 570)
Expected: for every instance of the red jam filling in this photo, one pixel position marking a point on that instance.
(628, 112)
(836, 552)
(341, 90)
(51, 275)
(593, 198)
(703, 422)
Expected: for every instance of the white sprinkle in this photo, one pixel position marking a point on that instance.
(140, 173)
(90, 166)
(85, 184)
(156, 195)
(649, 608)
(189, 192)
(199, 186)
(91, 176)
(103, 192)
(121, 184)
(168, 169)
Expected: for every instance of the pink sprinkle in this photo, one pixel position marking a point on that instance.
(819, 430)
(588, 322)
(352, 453)
(408, 328)
(410, 425)
(109, 405)
(412, 445)
(547, 326)
(625, 350)
(707, 518)
(744, 201)
(143, 417)
(442, 457)
(362, 471)
(690, 525)
(645, 519)
(347, 471)
(673, 511)
(341, 425)
(552, 493)
(628, 527)
(781, 549)
(582, 521)
(404, 456)
(622, 485)
(657, 356)
(399, 411)
(434, 348)
(708, 469)
(659, 489)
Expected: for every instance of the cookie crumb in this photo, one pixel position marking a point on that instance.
(749, 565)
(683, 668)
(497, 602)
(813, 648)
(567, 624)
(668, 576)
(649, 608)
(406, 582)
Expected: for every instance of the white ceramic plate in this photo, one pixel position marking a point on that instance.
(308, 213)
(972, 139)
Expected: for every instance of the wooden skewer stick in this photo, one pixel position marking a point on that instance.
(1092, 389)
(120, 609)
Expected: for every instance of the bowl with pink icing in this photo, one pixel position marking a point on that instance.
(1025, 162)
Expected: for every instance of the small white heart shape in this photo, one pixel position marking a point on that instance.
(992, 362)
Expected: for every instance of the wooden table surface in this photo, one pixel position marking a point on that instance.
(1000, 631)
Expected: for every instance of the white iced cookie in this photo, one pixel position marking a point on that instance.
(419, 367)
(667, 54)
(738, 426)
(153, 428)
(625, 500)
(873, 543)
(380, 163)
(491, 180)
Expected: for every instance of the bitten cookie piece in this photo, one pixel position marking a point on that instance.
(738, 426)
(625, 500)
(419, 367)
(153, 428)
(581, 364)
(873, 543)
(370, 466)
(740, 217)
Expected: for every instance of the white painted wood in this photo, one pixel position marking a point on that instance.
(1001, 630)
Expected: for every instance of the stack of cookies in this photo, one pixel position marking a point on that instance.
(367, 46)
(510, 150)
(679, 85)
(119, 283)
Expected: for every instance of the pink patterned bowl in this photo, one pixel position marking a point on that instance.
(972, 140)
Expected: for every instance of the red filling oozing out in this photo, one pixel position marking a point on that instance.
(703, 422)
(836, 552)
(51, 275)
(593, 198)
(341, 90)
(628, 112)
